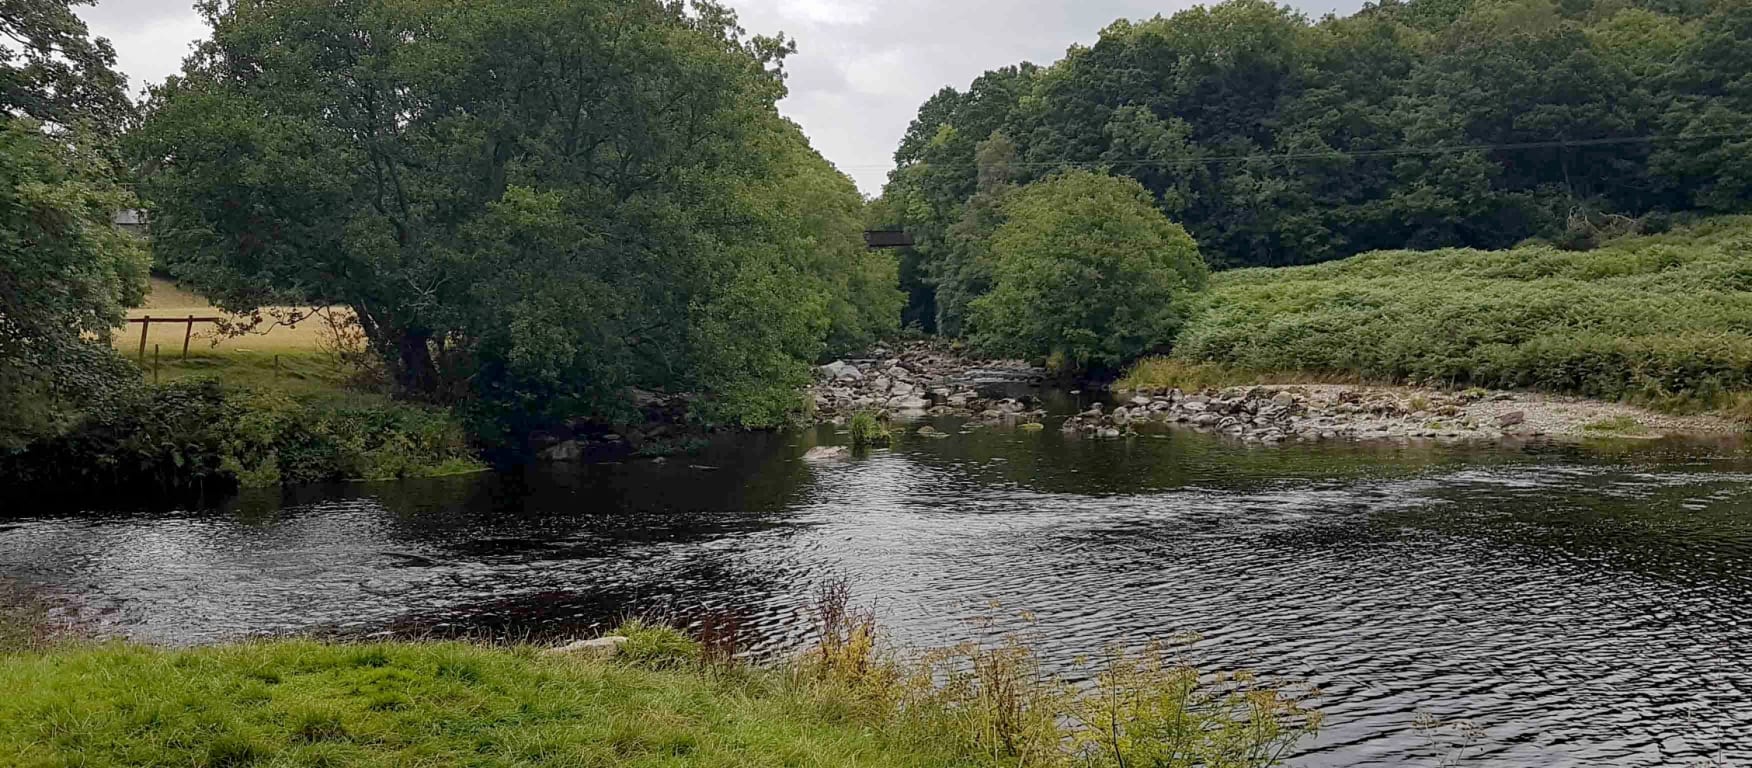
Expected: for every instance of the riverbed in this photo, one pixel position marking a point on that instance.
(1529, 605)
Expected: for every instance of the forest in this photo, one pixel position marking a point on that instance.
(1279, 140)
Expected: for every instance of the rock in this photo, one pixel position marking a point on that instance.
(927, 430)
(849, 373)
(833, 370)
(910, 403)
(571, 450)
(1032, 426)
(828, 453)
(1511, 418)
(1283, 399)
(1108, 432)
(599, 648)
(1143, 400)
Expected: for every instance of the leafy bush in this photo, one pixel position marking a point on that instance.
(1088, 274)
(199, 436)
(1660, 318)
(868, 430)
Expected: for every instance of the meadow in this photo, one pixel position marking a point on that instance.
(1664, 320)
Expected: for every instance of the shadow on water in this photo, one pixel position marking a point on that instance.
(1580, 605)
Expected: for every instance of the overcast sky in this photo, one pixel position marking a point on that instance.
(862, 69)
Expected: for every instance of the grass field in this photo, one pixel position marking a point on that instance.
(299, 703)
(1664, 320)
(664, 701)
(291, 359)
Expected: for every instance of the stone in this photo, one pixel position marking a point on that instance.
(1511, 418)
(599, 648)
(927, 430)
(849, 373)
(834, 369)
(1109, 432)
(1283, 399)
(828, 453)
(1032, 426)
(1143, 400)
(910, 403)
(571, 450)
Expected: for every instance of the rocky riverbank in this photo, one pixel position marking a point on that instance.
(922, 379)
(1279, 413)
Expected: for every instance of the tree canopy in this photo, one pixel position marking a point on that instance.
(1281, 140)
(531, 206)
(1086, 273)
(66, 273)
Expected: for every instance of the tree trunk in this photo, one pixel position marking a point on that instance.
(416, 372)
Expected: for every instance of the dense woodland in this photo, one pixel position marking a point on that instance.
(1280, 140)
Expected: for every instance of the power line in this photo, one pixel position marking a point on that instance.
(1344, 154)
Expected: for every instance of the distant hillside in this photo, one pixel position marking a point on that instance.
(1661, 318)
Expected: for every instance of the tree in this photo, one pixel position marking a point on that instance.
(1089, 274)
(66, 273)
(53, 71)
(531, 206)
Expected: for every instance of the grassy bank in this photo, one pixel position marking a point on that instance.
(301, 703)
(1664, 320)
(664, 700)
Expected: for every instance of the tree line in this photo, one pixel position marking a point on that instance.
(1278, 140)
(533, 208)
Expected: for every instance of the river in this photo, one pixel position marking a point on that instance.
(1541, 605)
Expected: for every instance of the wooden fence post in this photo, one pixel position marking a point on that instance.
(145, 325)
(187, 334)
(155, 364)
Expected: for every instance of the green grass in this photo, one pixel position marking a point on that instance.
(867, 430)
(1664, 320)
(1159, 374)
(301, 703)
(306, 375)
(665, 701)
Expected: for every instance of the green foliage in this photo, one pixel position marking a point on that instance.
(197, 436)
(1656, 318)
(1280, 140)
(531, 207)
(867, 430)
(66, 275)
(52, 71)
(1087, 271)
(1616, 425)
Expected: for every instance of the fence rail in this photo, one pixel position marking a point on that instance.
(146, 326)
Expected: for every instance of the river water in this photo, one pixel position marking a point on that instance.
(1517, 606)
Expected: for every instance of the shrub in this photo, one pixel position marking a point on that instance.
(1660, 318)
(1088, 273)
(198, 437)
(869, 430)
